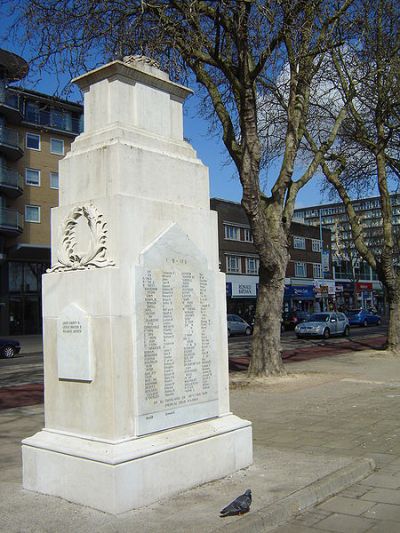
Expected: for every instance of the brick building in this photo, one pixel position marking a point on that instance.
(36, 131)
(308, 282)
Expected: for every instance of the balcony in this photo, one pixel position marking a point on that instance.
(11, 222)
(9, 144)
(11, 182)
(10, 109)
(55, 120)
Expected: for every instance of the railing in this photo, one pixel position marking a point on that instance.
(8, 136)
(55, 120)
(11, 220)
(12, 100)
(11, 178)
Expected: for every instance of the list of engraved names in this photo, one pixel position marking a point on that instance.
(177, 364)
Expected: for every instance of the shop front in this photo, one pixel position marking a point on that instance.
(379, 298)
(346, 297)
(362, 294)
(299, 298)
(365, 297)
(241, 296)
(325, 295)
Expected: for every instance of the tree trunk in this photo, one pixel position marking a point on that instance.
(393, 339)
(266, 357)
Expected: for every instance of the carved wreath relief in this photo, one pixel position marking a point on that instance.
(96, 254)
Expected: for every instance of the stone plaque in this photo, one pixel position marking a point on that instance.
(74, 352)
(177, 379)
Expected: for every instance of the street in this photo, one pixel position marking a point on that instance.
(27, 368)
(372, 336)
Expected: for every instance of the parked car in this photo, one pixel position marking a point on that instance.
(9, 348)
(292, 318)
(362, 317)
(237, 326)
(324, 325)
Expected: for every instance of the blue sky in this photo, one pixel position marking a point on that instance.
(224, 182)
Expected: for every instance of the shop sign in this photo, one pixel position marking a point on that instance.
(299, 292)
(348, 286)
(366, 286)
(325, 263)
(244, 289)
(324, 287)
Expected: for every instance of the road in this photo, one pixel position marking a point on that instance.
(239, 346)
(28, 368)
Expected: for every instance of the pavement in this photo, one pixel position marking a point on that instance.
(326, 458)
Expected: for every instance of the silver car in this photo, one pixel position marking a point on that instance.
(238, 326)
(324, 325)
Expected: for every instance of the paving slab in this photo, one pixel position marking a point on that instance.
(343, 523)
(385, 511)
(283, 483)
(351, 398)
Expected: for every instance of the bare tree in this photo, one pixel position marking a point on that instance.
(235, 50)
(366, 156)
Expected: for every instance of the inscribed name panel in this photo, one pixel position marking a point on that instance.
(175, 329)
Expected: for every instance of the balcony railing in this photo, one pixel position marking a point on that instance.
(11, 182)
(9, 143)
(10, 108)
(56, 120)
(12, 100)
(8, 136)
(11, 221)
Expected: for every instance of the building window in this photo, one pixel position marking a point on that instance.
(299, 243)
(233, 264)
(32, 213)
(300, 270)
(232, 233)
(32, 177)
(57, 146)
(247, 235)
(33, 141)
(54, 180)
(315, 245)
(251, 265)
(317, 271)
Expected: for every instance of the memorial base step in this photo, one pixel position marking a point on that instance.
(119, 476)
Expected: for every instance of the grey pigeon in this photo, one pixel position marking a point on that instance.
(239, 506)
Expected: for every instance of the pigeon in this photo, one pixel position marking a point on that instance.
(239, 506)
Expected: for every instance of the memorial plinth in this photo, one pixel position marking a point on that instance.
(135, 336)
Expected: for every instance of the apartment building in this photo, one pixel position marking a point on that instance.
(36, 131)
(308, 282)
(356, 283)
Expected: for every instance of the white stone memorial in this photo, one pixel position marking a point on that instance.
(135, 335)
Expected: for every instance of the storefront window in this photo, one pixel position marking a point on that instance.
(15, 277)
(25, 283)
